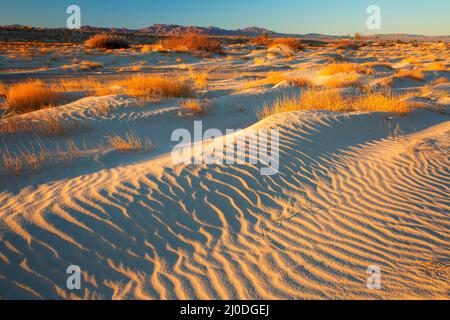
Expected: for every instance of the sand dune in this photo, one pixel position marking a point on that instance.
(342, 202)
(354, 189)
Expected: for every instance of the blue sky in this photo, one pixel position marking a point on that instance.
(337, 17)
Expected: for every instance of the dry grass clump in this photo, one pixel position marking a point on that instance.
(196, 106)
(30, 96)
(193, 42)
(291, 43)
(334, 100)
(335, 68)
(90, 65)
(415, 74)
(37, 157)
(347, 44)
(310, 99)
(200, 79)
(381, 101)
(156, 87)
(46, 126)
(90, 85)
(130, 143)
(106, 41)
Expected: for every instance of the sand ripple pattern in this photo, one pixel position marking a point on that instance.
(156, 231)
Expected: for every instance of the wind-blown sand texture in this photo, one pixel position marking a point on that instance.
(354, 190)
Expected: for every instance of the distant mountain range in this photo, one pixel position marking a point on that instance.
(176, 30)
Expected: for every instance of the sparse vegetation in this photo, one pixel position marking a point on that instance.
(156, 87)
(39, 156)
(31, 95)
(106, 41)
(335, 100)
(193, 42)
(200, 79)
(196, 106)
(347, 44)
(45, 126)
(291, 43)
(131, 142)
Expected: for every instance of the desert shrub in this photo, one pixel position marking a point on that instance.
(192, 42)
(30, 96)
(106, 41)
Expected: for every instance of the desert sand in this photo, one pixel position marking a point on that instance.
(354, 189)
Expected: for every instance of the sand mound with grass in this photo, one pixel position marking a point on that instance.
(341, 202)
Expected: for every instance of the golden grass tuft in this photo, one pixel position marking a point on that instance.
(37, 157)
(382, 101)
(30, 96)
(200, 79)
(131, 142)
(156, 86)
(196, 106)
(106, 41)
(334, 100)
(46, 126)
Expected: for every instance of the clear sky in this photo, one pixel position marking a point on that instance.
(336, 17)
